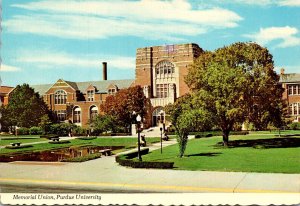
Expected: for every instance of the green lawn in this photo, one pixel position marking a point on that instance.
(23, 139)
(127, 142)
(249, 153)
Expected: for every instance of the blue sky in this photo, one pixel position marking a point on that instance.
(44, 40)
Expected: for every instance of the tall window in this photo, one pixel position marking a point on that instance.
(164, 69)
(93, 112)
(61, 115)
(162, 90)
(77, 115)
(60, 97)
(90, 95)
(294, 109)
(294, 89)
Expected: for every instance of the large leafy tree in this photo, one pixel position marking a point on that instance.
(187, 115)
(103, 123)
(124, 102)
(25, 107)
(237, 83)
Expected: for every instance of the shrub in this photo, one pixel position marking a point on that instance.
(23, 131)
(79, 131)
(61, 129)
(127, 160)
(35, 131)
(60, 142)
(87, 138)
(83, 159)
(49, 136)
(18, 147)
(294, 126)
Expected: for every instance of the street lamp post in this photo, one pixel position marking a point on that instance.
(161, 140)
(138, 119)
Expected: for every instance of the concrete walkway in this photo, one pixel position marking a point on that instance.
(104, 174)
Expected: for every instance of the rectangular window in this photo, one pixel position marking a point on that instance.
(162, 90)
(294, 90)
(61, 115)
(295, 108)
(298, 89)
(290, 90)
(291, 109)
(90, 95)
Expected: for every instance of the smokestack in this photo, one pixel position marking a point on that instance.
(104, 64)
(282, 71)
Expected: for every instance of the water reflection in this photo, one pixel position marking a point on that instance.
(56, 155)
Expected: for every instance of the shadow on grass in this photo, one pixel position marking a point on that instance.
(264, 143)
(208, 154)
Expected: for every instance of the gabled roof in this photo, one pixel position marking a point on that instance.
(5, 89)
(82, 86)
(289, 78)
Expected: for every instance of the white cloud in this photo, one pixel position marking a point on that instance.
(7, 68)
(168, 20)
(52, 60)
(286, 35)
(289, 2)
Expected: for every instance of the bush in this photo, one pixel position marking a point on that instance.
(79, 131)
(83, 159)
(86, 138)
(127, 160)
(18, 147)
(49, 136)
(35, 131)
(23, 131)
(61, 129)
(60, 142)
(294, 126)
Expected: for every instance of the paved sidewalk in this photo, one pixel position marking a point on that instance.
(104, 174)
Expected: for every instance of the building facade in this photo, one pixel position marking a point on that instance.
(291, 84)
(161, 70)
(79, 102)
(4, 94)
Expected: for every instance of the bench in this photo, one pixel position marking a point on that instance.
(16, 144)
(55, 139)
(106, 152)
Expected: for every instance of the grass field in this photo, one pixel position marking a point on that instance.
(23, 139)
(249, 153)
(126, 142)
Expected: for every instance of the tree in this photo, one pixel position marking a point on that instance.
(187, 115)
(103, 123)
(124, 102)
(237, 83)
(25, 107)
(45, 123)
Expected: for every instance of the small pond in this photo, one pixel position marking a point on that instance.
(56, 155)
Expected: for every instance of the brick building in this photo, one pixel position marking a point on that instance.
(78, 102)
(4, 93)
(291, 83)
(160, 70)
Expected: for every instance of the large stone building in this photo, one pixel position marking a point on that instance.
(291, 84)
(4, 94)
(160, 70)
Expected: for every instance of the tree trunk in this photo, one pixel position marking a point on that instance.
(225, 138)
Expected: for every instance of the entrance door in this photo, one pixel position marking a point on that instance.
(158, 116)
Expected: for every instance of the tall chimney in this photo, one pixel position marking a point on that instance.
(282, 71)
(104, 64)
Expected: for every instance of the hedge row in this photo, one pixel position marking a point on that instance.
(60, 142)
(212, 133)
(83, 159)
(18, 147)
(127, 160)
(49, 136)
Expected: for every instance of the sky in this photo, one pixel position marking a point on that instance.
(46, 40)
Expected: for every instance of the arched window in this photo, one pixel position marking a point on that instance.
(77, 115)
(60, 97)
(164, 69)
(93, 112)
